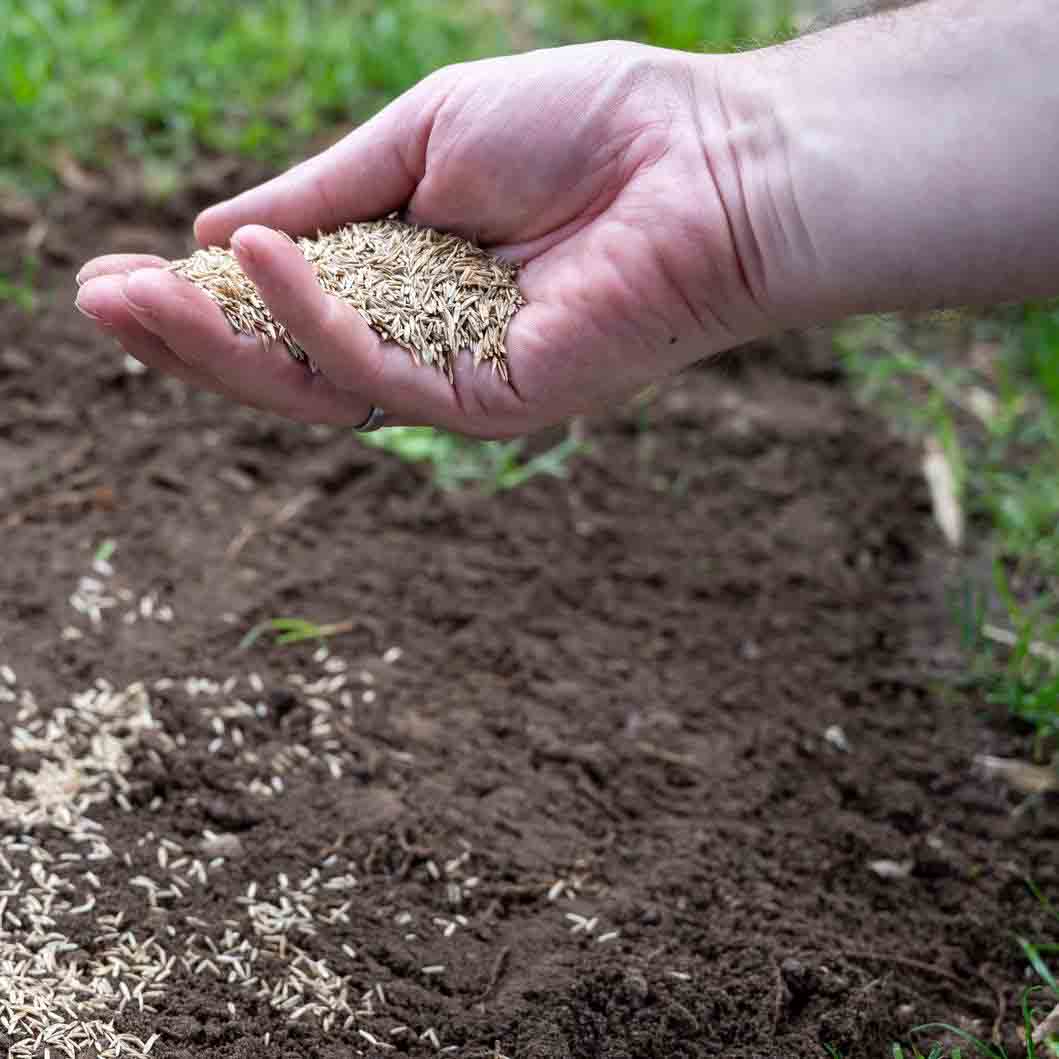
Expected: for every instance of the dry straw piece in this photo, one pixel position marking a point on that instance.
(433, 293)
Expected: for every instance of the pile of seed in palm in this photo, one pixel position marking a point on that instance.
(433, 293)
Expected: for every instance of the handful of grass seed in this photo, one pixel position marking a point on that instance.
(433, 293)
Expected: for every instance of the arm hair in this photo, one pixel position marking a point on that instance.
(862, 10)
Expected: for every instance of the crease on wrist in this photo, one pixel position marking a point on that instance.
(774, 237)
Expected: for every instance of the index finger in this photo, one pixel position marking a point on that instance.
(114, 264)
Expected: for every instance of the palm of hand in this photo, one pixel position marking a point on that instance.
(585, 164)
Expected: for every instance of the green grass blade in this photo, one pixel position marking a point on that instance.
(287, 630)
(983, 1048)
(1033, 954)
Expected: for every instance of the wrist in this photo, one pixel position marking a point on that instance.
(904, 161)
(742, 147)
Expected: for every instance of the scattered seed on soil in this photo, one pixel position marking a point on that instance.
(891, 869)
(836, 737)
(433, 293)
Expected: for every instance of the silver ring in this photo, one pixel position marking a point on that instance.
(375, 420)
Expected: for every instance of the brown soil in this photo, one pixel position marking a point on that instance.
(609, 701)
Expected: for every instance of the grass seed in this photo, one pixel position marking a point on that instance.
(433, 293)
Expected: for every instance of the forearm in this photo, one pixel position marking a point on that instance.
(904, 161)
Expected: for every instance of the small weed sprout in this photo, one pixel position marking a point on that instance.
(494, 466)
(105, 551)
(20, 290)
(293, 630)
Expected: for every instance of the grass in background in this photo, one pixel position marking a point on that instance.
(987, 388)
(288, 631)
(94, 80)
(690, 25)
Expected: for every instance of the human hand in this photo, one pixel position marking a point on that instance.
(590, 165)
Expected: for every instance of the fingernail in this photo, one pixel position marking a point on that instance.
(87, 312)
(127, 293)
(247, 251)
(77, 279)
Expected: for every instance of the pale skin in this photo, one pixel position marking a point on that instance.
(664, 206)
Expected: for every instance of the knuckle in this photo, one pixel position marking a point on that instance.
(319, 182)
(312, 321)
(492, 407)
(328, 319)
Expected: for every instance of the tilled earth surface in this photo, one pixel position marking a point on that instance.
(598, 768)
